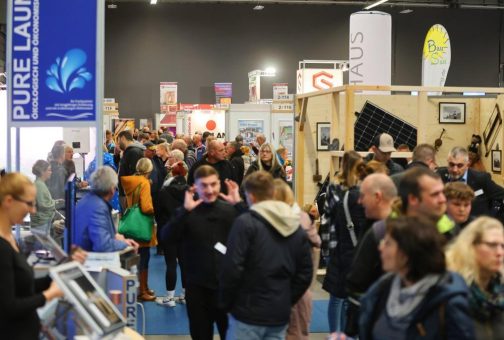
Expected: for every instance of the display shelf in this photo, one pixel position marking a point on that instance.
(415, 105)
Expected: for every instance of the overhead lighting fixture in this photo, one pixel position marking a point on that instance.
(258, 8)
(406, 11)
(112, 6)
(376, 4)
(270, 70)
(153, 2)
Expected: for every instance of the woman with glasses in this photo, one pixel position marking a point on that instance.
(46, 206)
(20, 293)
(418, 298)
(477, 254)
(267, 161)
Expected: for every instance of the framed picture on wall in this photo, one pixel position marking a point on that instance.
(323, 136)
(286, 136)
(452, 113)
(496, 161)
(249, 128)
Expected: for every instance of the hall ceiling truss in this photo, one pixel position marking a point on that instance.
(474, 4)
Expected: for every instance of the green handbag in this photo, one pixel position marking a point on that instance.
(134, 223)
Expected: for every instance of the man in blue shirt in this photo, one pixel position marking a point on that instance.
(94, 227)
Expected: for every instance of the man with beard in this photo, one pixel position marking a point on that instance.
(202, 227)
(132, 151)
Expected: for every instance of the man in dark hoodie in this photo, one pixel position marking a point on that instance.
(267, 266)
(132, 151)
(216, 158)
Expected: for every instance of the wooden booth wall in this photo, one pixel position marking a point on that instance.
(337, 106)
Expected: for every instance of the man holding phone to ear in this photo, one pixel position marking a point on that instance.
(203, 226)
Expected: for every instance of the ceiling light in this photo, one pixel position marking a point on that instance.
(375, 4)
(258, 8)
(112, 6)
(406, 11)
(153, 2)
(270, 70)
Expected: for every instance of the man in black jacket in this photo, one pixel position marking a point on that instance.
(486, 191)
(132, 152)
(267, 266)
(216, 158)
(234, 154)
(424, 155)
(202, 226)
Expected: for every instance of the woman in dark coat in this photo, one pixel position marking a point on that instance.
(338, 239)
(418, 298)
(171, 197)
(267, 161)
(477, 254)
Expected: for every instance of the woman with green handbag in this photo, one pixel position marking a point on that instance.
(140, 209)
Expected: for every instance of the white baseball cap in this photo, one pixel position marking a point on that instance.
(384, 142)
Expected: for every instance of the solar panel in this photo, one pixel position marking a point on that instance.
(372, 120)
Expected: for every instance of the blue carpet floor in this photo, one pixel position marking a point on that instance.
(162, 320)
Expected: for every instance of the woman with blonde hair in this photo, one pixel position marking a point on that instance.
(342, 223)
(137, 189)
(267, 161)
(21, 293)
(299, 324)
(477, 254)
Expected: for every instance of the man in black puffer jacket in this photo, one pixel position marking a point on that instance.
(267, 266)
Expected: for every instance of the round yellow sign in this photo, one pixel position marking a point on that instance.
(436, 45)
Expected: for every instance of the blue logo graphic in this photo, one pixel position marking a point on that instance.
(67, 73)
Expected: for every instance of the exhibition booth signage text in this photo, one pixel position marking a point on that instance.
(52, 61)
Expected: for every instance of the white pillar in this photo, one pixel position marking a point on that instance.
(370, 52)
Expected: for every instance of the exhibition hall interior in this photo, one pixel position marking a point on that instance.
(266, 169)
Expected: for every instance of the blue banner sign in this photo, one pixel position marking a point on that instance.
(52, 61)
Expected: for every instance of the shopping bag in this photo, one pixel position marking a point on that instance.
(135, 224)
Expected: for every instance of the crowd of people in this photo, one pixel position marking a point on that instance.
(412, 251)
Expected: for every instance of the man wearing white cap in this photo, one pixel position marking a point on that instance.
(382, 148)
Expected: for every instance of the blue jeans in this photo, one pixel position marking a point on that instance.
(238, 330)
(336, 313)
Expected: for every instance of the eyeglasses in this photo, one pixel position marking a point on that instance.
(493, 245)
(458, 165)
(31, 204)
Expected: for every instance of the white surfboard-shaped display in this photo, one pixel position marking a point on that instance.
(436, 57)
